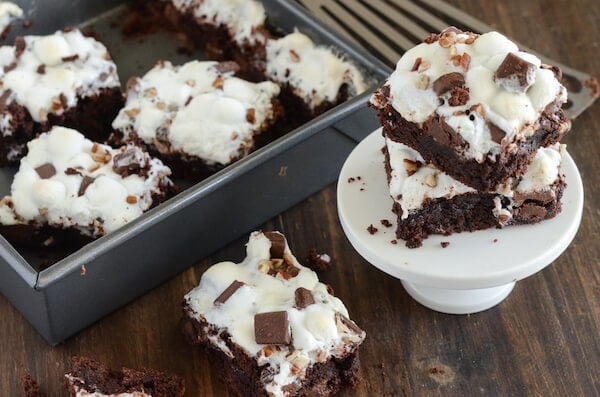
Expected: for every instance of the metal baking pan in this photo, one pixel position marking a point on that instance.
(86, 285)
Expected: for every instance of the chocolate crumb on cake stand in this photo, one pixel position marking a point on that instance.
(476, 270)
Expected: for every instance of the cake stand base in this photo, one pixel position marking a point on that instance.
(457, 301)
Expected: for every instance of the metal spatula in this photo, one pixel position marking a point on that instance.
(388, 28)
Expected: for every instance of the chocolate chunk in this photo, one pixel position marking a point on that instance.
(9, 67)
(272, 328)
(318, 262)
(303, 297)
(496, 132)
(277, 244)
(19, 46)
(72, 171)
(531, 213)
(348, 323)
(443, 133)
(41, 69)
(234, 286)
(515, 74)
(128, 162)
(85, 182)
(70, 58)
(227, 66)
(543, 197)
(447, 82)
(46, 171)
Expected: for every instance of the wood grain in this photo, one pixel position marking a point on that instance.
(544, 339)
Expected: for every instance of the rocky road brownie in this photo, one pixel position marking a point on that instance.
(198, 117)
(63, 79)
(429, 201)
(67, 183)
(475, 106)
(90, 378)
(275, 329)
(313, 78)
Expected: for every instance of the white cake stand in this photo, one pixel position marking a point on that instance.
(477, 270)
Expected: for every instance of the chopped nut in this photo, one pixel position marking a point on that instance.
(423, 66)
(161, 105)
(150, 92)
(294, 56)
(263, 267)
(416, 64)
(465, 61)
(218, 83)
(131, 199)
(132, 112)
(191, 83)
(251, 115)
(447, 39)
(423, 82)
(410, 166)
(43, 211)
(431, 180)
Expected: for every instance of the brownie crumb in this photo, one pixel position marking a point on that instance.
(30, 387)
(386, 223)
(592, 83)
(351, 179)
(318, 262)
(495, 240)
(372, 229)
(444, 244)
(394, 241)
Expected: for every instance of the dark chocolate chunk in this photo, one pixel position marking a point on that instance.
(227, 66)
(277, 244)
(70, 58)
(72, 171)
(447, 82)
(349, 323)
(516, 70)
(443, 133)
(46, 171)
(272, 328)
(85, 182)
(496, 132)
(128, 162)
(543, 197)
(19, 46)
(317, 262)
(41, 69)
(303, 297)
(234, 286)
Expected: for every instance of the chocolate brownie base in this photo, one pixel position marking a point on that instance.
(93, 377)
(92, 116)
(471, 212)
(437, 143)
(245, 378)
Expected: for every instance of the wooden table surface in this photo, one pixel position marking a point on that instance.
(544, 339)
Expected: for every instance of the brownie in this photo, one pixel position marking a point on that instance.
(313, 78)
(64, 79)
(475, 106)
(90, 377)
(31, 387)
(68, 185)
(271, 326)
(197, 117)
(429, 201)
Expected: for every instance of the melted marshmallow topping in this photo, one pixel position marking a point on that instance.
(8, 13)
(413, 182)
(48, 74)
(316, 73)
(319, 327)
(481, 85)
(240, 17)
(197, 109)
(68, 181)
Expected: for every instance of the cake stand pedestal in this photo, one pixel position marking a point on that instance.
(475, 270)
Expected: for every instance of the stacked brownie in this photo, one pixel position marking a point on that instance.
(471, 125)
(273, 327)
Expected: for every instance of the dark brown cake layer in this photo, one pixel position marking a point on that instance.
(92, 116)
(472, 211)
(440, 145)
(245, 378)
(93, 376)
